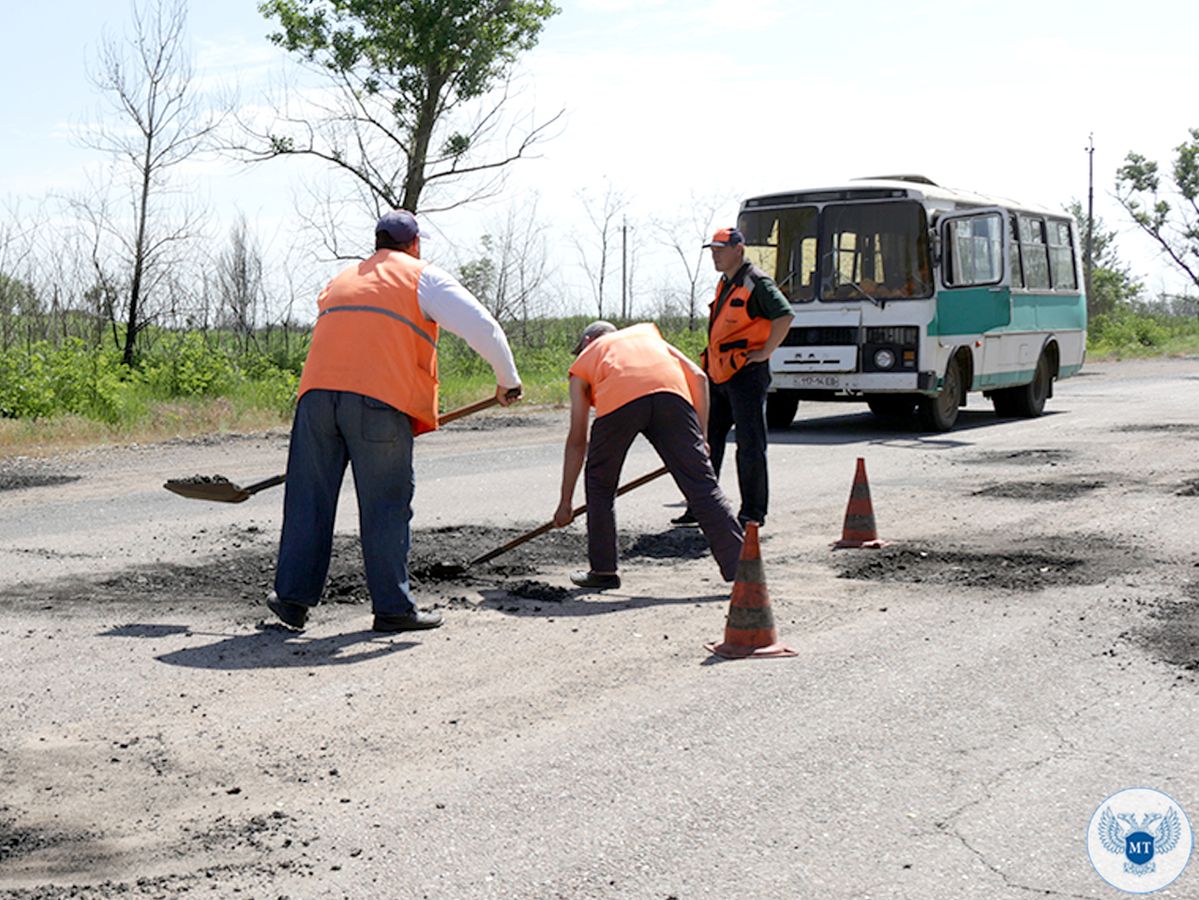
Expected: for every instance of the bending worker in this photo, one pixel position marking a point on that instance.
(747, 321)
(369, 386)
(639, 384)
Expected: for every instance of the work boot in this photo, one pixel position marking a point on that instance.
(593, 580)
(417, 621)
(293, 615)
(685, 519)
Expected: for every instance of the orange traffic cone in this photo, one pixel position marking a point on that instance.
(749, 629)
(859, 530)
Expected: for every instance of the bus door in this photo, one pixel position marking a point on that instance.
(975, 298)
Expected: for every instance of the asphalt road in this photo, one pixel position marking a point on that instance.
(960, 703)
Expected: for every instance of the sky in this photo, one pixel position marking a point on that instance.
(677, 104)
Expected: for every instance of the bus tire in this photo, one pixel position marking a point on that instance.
(940, 412)
(780, 408)
(1028, 400)
(892, 407)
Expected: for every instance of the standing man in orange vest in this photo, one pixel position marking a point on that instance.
(369, 386)
(747, 321)
(639, 384)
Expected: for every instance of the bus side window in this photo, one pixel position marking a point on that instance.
(975, 250)
(1017, 272)
(1061, 257)
(1034, 253)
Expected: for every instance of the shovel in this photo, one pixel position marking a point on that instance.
(445, 569)
(222, 490)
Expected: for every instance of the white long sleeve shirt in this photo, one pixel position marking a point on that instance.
(444, 300)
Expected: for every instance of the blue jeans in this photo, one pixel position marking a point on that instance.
(741, 403)
(331, 429)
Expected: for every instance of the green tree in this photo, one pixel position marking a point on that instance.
(1170, 216)
(1111, 284)
(404, 73)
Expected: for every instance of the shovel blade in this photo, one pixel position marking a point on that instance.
(213, 488)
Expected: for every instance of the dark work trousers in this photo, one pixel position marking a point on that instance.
(740, 403)
(331, 429)
(670, 425)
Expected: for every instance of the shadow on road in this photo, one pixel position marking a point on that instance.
(272, 647)
(866, 428)
(581, 603)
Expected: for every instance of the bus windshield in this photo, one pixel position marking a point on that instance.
(874, 251)
(782, 243)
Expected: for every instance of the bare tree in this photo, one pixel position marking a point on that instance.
(597, 248)
(147, 78)
(510, 277)
(685, 236)
(239, 280)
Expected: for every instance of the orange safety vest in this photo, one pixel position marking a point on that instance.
(624, 365)
(732, 334)
(371, 338)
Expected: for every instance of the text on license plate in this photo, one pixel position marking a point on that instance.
(829, 381)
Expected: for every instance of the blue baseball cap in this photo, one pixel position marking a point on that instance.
(399, 225)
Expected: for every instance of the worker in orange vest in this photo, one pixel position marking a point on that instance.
(369, 385)
(747, 321)
(639, 384)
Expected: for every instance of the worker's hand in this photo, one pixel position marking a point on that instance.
(757, 356)
(508, 396)
(563, 515)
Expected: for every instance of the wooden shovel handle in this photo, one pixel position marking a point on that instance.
(576, 512)
(459, 413)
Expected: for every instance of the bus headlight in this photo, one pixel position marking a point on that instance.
(884, 359)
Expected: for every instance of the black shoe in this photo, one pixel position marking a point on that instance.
(592, 580)
(293, 615)
(685, 519)
(418, 621)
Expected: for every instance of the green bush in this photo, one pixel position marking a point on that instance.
(40, 380)
(184, 365)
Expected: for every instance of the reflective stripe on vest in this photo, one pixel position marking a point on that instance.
(383, 312)
(732, 333)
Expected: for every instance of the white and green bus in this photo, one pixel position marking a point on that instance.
(908, 295)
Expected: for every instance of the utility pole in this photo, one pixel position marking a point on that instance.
(1090, 148)
(624, 268)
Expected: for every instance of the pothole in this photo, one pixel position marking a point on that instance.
(1039, 490)
(15, 481)
(1161, 426)
(439, 566)
(1014, 569)
(1173, 632)
(1021, 457)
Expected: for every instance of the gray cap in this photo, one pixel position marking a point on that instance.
(591, 332)
(399, 225)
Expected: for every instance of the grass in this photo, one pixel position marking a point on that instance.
(159, 422)
(543, 358)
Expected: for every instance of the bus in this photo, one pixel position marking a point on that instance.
(908, 295)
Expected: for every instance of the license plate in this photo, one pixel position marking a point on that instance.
(824, 381)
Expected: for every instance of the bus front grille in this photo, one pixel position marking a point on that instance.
(821, 336)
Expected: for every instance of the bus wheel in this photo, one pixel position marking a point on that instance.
(939, 413)
(1028, 400)
(892, 407)
(780, 408)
